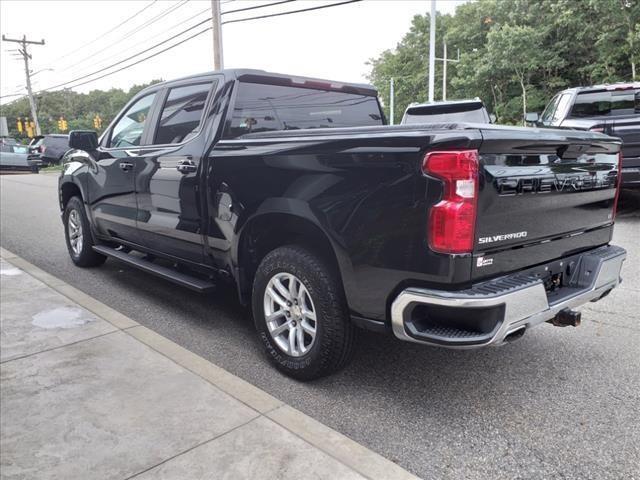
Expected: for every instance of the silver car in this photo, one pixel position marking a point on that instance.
(18, 158)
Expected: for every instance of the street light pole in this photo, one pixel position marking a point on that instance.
(391, 101)
(26, 56)
(218, 60)
(432, 50)
(444, 72)
(446, 60)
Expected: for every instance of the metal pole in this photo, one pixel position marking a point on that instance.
(432, 50)
(391, 101)
(218, 60)
(32, 101)
(25, 55)
(444, 73)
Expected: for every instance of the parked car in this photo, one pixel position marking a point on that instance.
(14, 157)
(325, 219)
(472, 111)
(50, 148)
(612, 109)
(8, 141)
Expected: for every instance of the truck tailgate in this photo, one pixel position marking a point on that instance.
(543, 194)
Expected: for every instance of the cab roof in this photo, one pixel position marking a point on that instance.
(272, 78)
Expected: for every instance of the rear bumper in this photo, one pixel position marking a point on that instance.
(491, 312)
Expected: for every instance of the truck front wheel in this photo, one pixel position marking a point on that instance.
(78, 235)
(301, 314)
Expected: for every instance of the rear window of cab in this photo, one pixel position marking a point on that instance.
(263, 108)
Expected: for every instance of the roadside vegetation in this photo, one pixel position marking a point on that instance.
(79, 109)
(515, 54)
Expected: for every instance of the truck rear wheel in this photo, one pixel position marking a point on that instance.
(77, 232)
(301, 314)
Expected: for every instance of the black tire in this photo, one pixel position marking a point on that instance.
(85, 256)
(332, 347)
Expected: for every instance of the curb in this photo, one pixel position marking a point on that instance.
(349, 452)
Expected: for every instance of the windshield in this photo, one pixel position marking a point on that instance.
(606, 103)
(461, 112)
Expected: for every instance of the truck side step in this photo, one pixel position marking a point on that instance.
(186, 280)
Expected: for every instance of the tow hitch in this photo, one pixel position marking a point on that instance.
(566, 318)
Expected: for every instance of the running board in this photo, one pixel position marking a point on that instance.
(189, 281)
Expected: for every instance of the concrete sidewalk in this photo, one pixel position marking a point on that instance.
(86, 392)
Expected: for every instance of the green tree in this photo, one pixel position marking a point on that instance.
(516, 50)
(408, 66)
(79, 109)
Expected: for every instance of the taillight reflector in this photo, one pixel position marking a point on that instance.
(452, 220)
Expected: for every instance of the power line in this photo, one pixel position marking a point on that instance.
(181, 42)
(289, 13)
(131, 33)
(129, 57)
(106, 33)
(91, 65)
(13, 95)
(257, 6)
(143, 59)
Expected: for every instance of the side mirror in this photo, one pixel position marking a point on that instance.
(492, 117)
(83, 140)
(532, 117)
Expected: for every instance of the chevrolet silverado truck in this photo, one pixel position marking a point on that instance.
(612, 109)
(324, 219)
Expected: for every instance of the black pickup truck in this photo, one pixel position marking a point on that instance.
(612, 109)
(325, 219)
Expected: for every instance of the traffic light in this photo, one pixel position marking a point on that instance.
(19, 125)
(97, 122)
(29, 128)
(62, 124)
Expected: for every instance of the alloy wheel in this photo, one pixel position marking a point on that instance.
(290, 314)
(74, 229)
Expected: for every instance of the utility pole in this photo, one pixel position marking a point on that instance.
(445, 60)
(391, 101)
(432, 50)
(218, 60)
(26, 56)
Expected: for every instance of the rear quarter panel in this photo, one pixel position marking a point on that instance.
(366, 193)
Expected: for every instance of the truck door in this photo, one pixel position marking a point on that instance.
(111, 188)
(168, 190)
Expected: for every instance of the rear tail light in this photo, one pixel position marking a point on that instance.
(42, 148)
(597, 129)
(618, 186)
(452, 220)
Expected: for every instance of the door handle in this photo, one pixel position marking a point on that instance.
(186, 166)
(126, 166)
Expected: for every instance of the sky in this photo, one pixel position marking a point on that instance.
(82, 37)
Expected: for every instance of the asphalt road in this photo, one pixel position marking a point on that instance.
(560, 403)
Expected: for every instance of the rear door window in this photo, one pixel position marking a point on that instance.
(263, 108)
(182, 113)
